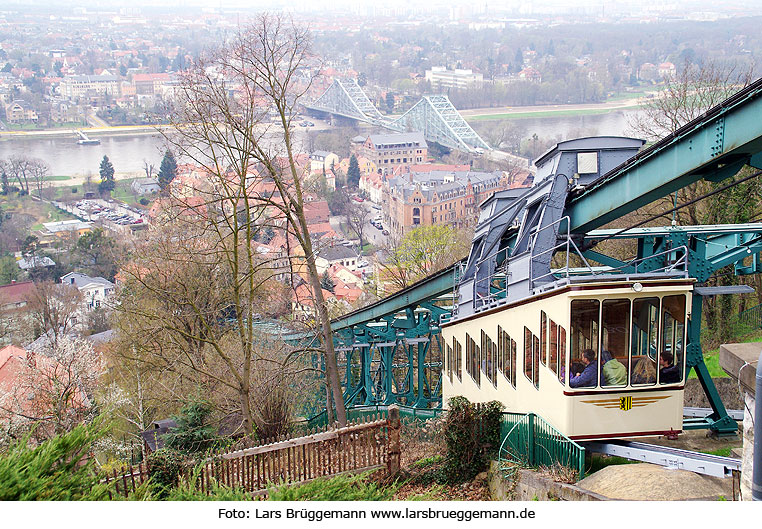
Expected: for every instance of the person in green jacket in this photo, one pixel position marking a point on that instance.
(613, 371)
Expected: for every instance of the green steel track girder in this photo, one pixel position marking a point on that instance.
(423, 291)
(712, 147)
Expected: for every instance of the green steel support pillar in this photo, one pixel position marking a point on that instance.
(719, 421)
(367, 377)
(387, 358)
(423, 348)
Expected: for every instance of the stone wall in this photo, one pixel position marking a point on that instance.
(727, 388)
(528, 485)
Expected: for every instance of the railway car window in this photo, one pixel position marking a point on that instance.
(536, 367)
(553, 348)
(672, 339)
(561, 353)
(488, 358)
(458, 358)
(615, 328)
(528, 354)
(543, 338)
(584, 334)
(448, 360)
(472, 360)
(514, 360)
(500, 351)
(494, 369)
(644, 341)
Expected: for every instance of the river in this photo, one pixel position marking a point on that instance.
(128, 152)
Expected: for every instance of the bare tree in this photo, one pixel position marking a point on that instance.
(38, 171)
(691, 92)
(18, 167)
(357, 219)
(50, 390)
(504, 134)
(54, 308)
(222, 126)
(148, 168)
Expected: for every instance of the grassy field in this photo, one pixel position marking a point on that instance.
(37, 211)
(712, 357)
(57, 178)
(35, 126)
(124, 192)
(629, 95)
(545, 114)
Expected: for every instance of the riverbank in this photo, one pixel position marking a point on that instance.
(541, 111)
(125, 130)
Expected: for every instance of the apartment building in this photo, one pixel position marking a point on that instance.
(441, 78)
(79, 86)
(439, 197)
(387, 151)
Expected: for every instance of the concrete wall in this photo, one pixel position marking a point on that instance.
(533, 486)
(739, 360)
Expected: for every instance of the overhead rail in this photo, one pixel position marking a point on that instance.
(705, 412)
(432, 287)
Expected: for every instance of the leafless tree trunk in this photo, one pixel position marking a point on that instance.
(55, 308)
(222, 126)
(38, 170)
(357, 218)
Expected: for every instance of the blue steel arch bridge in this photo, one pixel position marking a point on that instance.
(434, 115)
(390, 351)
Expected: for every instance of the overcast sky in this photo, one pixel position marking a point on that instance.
(734, 6)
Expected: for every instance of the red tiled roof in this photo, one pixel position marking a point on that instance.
(15, 292)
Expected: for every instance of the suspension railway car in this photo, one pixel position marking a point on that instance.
(521, 329)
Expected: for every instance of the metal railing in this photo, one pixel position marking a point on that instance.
(528, 440)
(751, 317)
(483, 287)
(355, 413)
(495, 284)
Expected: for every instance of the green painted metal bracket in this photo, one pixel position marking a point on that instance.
(719, 421)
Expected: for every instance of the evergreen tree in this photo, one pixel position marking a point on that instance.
(327, 282)
(353, 173)
(5, 184)
(390, 101)
(108, 184)
(193, 432)
(168, 170)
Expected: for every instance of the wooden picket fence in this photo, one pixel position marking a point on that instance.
(368, 444)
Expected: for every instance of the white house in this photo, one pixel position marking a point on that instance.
(95, 290)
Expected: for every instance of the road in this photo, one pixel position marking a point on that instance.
(373, 234)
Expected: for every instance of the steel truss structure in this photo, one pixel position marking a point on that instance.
(434, 115)
(345, 98)
(440, 122)
(391, 350)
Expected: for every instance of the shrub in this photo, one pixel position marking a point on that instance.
(470, 436)
(56, 470)
(164, 467)
(73, 190)
(143, 201)
(340, 488)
